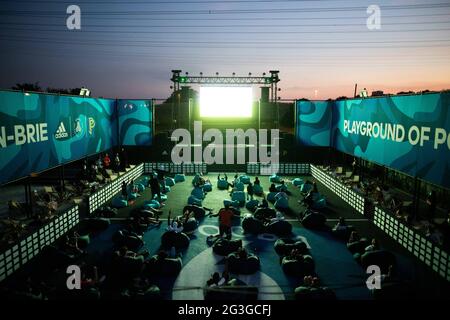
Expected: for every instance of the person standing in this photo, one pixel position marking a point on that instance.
(432, 203)
(155, 188)
(250, 191)
(124, 190)
(117, 162)
(225, 217)
(106, 161)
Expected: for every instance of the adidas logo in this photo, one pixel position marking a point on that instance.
(61, 132)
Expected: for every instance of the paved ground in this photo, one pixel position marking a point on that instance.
(416, 271)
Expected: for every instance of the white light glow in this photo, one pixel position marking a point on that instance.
(226, 102)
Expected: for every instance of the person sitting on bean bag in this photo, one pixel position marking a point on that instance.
(162, 264)
(264, 213)
(282, 187)
(264, 203)
(297, 182)
(311, 290)
(241, 262)
(272, 188)
(128, 258)
(199, 212)
(224, 246)
(258, 189)
(174, 225)
(278, 217)
(356, 244)
(281, 204)
(373, 246)
(341, 229)
(306, 187)
(313, 220)
(128, 238)
(311, 196)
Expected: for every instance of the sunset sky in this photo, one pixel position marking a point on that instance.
(322, 48)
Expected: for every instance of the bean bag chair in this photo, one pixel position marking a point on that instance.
(199, 212)
(239, 186)
(140, 187)
(167, 189)
(179, 178)
(343, 233)
(282, 188)
(106, 212)
(236, 212)
(234, 290)
(297, 182)
(275, 178)
(223, 247)
(119, 202)
(267, 213)
(151, 293)
(252, 225)
(152, 204)
(243, 266)
(271, 196)
(141, 212)
(314, 220)
(381, 258)
(169, 182)
(163, 267)
(310, 293)
(358, 246)
(83, 241)
(222, 184)
(284, 246)
(239, 196)
(207, 187)
(279, 228)
(194, 201)
(282, 204)
(235, 204)
(258, 190)
(244, 179)
(124, 238)
(190, 226)
(319, 204)
(132, 196)
(94, 225)
(198, 193)
(298, 268)
(306, 187)
(173, 239)
(252, 205)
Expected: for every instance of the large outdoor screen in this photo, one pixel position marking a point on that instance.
(226, 102)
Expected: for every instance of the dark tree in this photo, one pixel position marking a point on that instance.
(27, 87)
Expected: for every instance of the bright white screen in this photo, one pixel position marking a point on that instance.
(226, 102)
